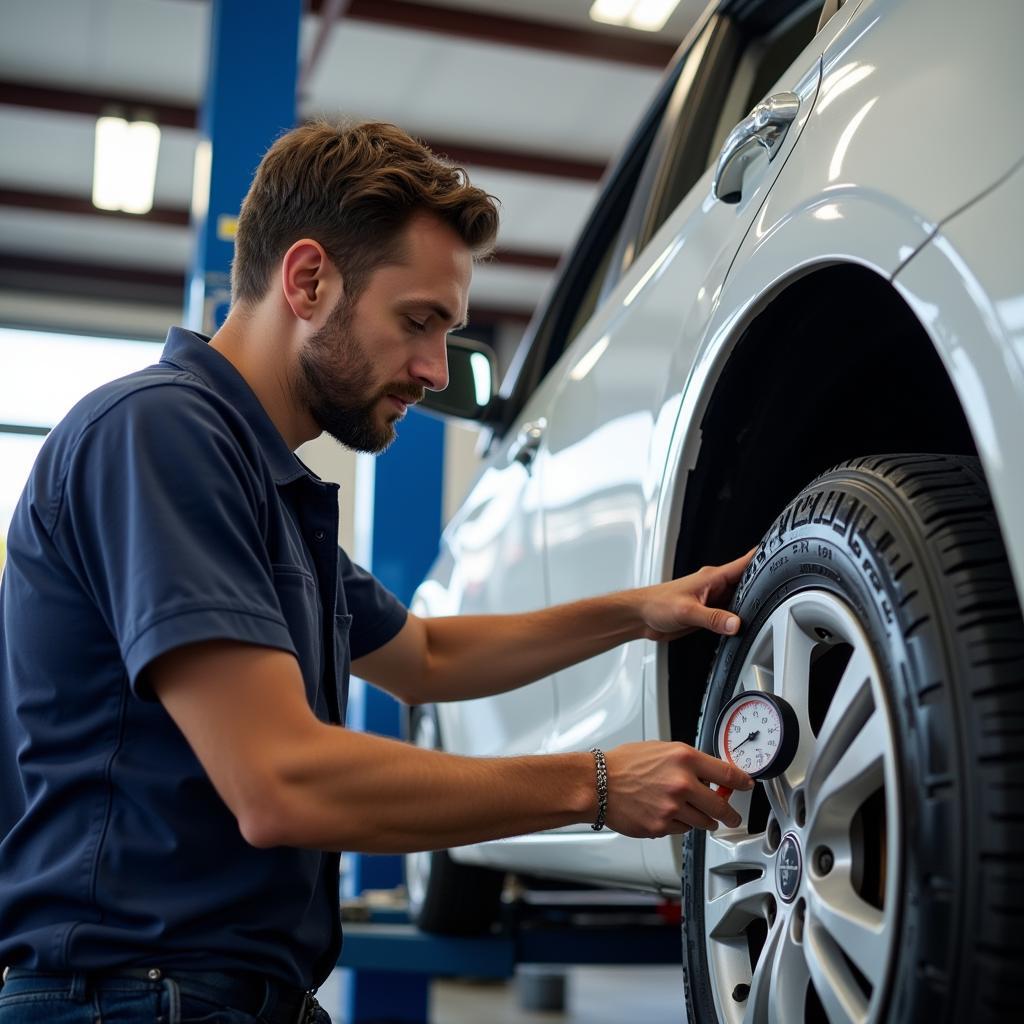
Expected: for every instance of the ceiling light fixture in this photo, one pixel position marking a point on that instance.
(646, 15)
(124, 168)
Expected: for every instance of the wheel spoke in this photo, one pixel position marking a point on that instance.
(852, 699)
(788, 995)
(756, 677)
(759, 996)
(842, 1000)
(841, 777)
(791, 664)
(780, 797)
(724, 855)
(791, 660)
(728, 913)
(857, 927)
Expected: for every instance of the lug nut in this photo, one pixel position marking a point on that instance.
(825, 860)
(740, 993)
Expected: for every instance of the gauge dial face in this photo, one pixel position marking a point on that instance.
(750, 734)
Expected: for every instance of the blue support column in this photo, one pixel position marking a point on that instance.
(250, 100)
(402, 539)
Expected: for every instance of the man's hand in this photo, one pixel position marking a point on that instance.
(671, 610)
(658, 789)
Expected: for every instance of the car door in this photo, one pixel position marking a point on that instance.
(602, 456)
(491, 558)
(491, 561)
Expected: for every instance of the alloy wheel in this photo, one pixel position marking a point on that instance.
(801, 898)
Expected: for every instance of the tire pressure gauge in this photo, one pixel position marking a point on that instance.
(756, 732)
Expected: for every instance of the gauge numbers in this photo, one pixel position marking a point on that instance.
(751, 735)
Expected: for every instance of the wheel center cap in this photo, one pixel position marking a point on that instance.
(789, 868)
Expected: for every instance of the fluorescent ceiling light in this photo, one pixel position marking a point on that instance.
(612, 12)
(124, 169)
(647, 15)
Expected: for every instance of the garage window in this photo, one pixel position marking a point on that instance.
(45, 375)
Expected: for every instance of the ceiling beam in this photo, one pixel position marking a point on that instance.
(331, 12)
(519, 161)
(52, 202)
(67, 101)
(70, 277)
(504, 30)
(74, 101)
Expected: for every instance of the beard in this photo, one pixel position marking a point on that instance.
(336, 383)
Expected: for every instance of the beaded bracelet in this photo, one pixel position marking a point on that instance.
(602, 787)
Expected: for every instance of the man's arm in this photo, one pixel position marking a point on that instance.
(292, 780)
(479, 655)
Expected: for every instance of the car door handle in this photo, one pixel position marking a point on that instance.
(527, 443)
(765, 128)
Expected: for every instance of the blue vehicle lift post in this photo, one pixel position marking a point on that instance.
(249, 101)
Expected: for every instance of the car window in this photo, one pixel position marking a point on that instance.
(773, 54)
(686, 134)
(742, 65)
(578, 288)
(591, 267)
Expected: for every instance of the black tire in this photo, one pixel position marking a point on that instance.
(909, 546)
(445, 897)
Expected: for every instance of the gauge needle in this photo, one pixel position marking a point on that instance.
(752, 736)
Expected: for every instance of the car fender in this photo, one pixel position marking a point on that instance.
(965, 288)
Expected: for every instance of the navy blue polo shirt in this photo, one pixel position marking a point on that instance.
(165, 509)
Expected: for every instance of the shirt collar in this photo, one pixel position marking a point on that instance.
(191, 351)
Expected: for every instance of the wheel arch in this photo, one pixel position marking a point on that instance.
(788, 404)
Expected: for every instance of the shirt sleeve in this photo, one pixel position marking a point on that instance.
(377, 615)
(160, 517)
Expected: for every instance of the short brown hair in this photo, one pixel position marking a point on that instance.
(353, 188)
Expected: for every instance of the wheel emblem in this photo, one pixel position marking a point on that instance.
(790, 868)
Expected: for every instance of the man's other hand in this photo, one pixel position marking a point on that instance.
(671, 610)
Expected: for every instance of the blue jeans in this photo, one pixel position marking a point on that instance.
(31, 997)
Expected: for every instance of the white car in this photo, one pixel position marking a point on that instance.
(803, 328)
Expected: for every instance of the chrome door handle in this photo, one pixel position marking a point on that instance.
(765, 128)
(527, 443)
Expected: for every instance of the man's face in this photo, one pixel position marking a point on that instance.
(378, 354)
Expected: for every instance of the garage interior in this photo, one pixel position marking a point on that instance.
(852, 423)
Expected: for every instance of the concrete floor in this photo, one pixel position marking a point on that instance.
(595, 995)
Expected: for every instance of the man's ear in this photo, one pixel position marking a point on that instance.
(310, 282)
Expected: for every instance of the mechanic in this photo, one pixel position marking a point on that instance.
(179, 625)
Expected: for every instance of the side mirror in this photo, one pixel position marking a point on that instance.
(472, 382)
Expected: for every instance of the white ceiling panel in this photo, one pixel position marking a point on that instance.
(144, 321)
(510, 287)
(537, 213)
(103, 240)
(152, 48)
(461, 90)
(41, 149)
(174, 169)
